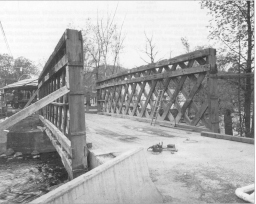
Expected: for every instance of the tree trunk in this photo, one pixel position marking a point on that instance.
(247, 94)
(97, 74)
(252, 127)
(228, 122)
(88, 102)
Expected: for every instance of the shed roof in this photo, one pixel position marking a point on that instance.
(26, 83)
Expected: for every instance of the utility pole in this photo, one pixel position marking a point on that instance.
(5, 39)
(239, 80)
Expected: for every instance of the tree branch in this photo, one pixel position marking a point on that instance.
(228, 46)
(145, 60)
(244, 14)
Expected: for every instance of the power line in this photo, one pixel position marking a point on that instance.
(5, 39)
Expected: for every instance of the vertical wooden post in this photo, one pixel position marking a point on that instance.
(98, 98)
(88, 102)
(213, 108)
(74, 76)
(98, 91)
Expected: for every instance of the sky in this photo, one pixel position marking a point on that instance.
(33, 28)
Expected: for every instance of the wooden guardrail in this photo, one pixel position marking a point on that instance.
(64, 117)
(187, 82)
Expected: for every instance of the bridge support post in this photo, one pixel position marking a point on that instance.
(88, 102)
(98, 98)
(74, 78)
(213, 108)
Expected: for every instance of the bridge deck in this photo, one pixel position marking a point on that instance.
(204, 170)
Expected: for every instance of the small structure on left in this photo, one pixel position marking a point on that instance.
(3, 105)
(24, 136)
(18, 94)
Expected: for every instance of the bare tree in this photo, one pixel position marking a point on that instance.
(150, 50)
(103, 43)
(105, 34)
(186, 44)
(232, 25)
(117, 46)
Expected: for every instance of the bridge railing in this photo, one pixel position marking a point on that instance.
(64, 118)
(189, 90)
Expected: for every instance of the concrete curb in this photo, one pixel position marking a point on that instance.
(163, 123)
(228, 137)
(124, 179)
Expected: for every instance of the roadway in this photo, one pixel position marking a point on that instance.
(203, 170)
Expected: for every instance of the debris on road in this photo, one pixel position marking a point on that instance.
(159, 148)
(188, 140)
(156, 148)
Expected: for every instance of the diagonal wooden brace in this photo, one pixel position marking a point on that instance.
(33, 108)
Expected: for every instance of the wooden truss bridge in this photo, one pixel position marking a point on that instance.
(61, 103)
(188, 84)
(189, 90)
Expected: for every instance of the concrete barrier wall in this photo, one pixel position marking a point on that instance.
(27, 142)
(159, 122)
(124, 179)
(3, 142)
(96, 160)
(228, 137)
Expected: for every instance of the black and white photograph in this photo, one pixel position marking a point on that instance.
(127, 102)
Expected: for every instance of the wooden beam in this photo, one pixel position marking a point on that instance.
(171, 74)
(106, 99)
(58, 100)
(148, 98)
(191, 95)
(112, 98)
(138, 98)
(56, 50)
(98, 98)
(31, 98)
(118, 97)
(192, 77)
(165, 88)
(151, 102)
(76, 127)
(62, 139)
(232, 76)
(33, 108)
(162, 63)
(63, 108)
(123, 98)
(130, 98)
(177, 105)
(59, 104)
(213, 106)
(200, 113)
(174, 96)
(194, 106)
(64, 157)
(201, 61)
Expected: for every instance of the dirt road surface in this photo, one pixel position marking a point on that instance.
(203, 169)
